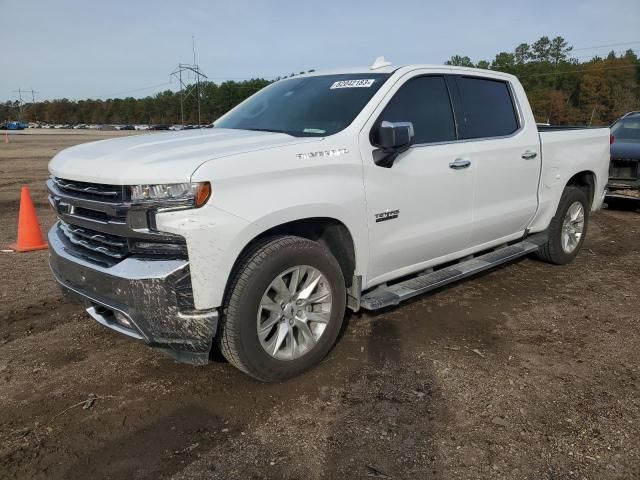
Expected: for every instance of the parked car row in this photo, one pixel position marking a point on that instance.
(17, 125)
(12, 125)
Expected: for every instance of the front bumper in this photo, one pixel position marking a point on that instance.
(146, 299)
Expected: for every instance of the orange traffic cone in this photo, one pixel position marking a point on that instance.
(29, 234)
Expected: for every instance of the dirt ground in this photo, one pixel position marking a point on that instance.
(529, 371)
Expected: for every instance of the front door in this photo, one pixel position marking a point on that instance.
(420, 209)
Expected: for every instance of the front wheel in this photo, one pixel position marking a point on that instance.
(284, 308)
(568, 228)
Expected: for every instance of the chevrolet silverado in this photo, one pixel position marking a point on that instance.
(357, 188)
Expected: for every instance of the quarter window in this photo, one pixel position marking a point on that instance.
(423, 101)
(488, 109)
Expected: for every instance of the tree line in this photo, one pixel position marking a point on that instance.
(562, 90)
(161, 108)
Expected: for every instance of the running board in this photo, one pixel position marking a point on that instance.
(386, 296)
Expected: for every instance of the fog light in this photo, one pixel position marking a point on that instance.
(122, 319)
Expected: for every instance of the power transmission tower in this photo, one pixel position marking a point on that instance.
(186, 90)
(19, 92)
(21, 102)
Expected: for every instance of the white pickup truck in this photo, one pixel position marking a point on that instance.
(354, 189)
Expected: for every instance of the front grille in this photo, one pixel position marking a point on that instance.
(91, 191)
(111, 245)
(95, 215)
(99, 224)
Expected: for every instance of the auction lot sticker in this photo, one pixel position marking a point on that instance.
(362, 83)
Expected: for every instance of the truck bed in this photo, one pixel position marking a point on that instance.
(559, 128)
(565, 152)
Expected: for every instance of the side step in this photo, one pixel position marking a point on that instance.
(386, 296)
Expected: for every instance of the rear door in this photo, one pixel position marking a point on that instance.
(420, 209)
(505, 153)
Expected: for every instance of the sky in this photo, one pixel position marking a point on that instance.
(116, 48)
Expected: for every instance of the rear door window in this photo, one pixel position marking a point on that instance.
(488, 109)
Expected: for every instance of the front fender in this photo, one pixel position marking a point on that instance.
(325, 211)
(214, 238)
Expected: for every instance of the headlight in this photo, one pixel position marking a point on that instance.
(172, 194)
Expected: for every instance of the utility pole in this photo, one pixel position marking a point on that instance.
(33, 102)
(186, 90)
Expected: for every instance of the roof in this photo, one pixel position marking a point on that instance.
(389, 68)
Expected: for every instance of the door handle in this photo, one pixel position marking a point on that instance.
(459, 164)
(529, 155)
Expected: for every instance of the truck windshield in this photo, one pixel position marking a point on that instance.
(627, 129)
(314, 106)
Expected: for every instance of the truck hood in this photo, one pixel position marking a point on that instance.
(170, 157)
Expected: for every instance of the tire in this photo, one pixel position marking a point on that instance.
(553, 251)
(251, 288)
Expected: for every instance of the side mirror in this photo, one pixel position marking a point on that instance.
(393, 139)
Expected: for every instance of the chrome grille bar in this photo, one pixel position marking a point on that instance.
(89, 189)
(95, 242)
(97, 237)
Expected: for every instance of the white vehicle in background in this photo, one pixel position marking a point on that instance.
(347, 189)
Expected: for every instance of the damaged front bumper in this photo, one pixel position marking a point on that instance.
(146, 299)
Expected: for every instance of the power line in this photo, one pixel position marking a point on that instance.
(271, 77)
(576, 71)
(621, 52)
(111, 95)
(132, 91)
(255, 77)
(606, 46)
(170, 83)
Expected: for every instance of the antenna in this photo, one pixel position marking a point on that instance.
(379, 63)
(186, 90)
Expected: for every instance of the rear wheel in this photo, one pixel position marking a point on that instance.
(567, 229)
(284, 308)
